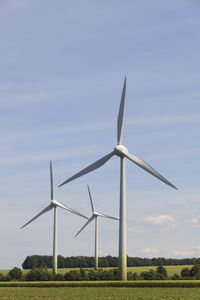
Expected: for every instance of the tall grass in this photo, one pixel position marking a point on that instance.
(130, 284)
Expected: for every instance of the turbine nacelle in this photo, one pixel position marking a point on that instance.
(120, 150)
(96, 214)
(55, 202)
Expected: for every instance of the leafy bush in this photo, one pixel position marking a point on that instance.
(161, 270)
(175, 277)
(132, 276)
(15, 273)
(72, 276)
(186, 272)
(195, 270)
(2, 277)
(39, 274)
(83, 274)
(59, 277)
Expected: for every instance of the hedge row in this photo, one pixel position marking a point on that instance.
(42, 274)
(133, 284)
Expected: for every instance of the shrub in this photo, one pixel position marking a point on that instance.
(15, 273)
(175, 277)
(72, 276)
(92, 275)
(149, 275)
(195, 270)
(197, 276)
(161, 270)
(59, 277)
(39, 274)
(2, 277)
(83, 274)
(185, 272)
(132, 276)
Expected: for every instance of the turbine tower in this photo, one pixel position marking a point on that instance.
(122, 152)
(94, 216)
(53, 205)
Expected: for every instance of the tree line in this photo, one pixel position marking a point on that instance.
(43, 274)
(36, 261)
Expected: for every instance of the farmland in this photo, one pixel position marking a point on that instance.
(92, 293)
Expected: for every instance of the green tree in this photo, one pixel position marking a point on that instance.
(175, 277)
(195, 270)
(149, 275)
(185, 272)
(161, 270)
(59, 277)
(72, 276)
(39, 274)
(2, 277)
(15, 273)
(83, 274)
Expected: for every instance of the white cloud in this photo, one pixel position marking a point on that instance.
(150, 251)
(193, 222)
(137, 228)
(182, 253)
(161, 222)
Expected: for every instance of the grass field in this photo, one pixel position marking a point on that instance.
(92, 293)
(170, 269)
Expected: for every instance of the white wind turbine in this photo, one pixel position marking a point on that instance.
(53, 205)
(123, 153)
(94, 216)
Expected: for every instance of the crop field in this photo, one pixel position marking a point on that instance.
(91, 293)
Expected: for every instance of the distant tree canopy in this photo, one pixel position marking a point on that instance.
(36, 261)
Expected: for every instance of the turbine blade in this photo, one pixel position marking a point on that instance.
(90, 199)
(142, 164)
(109, 217)
(51, 181)
(90, 168)
(70, 210)
(121, 115)
(89, 221)
(38, 215)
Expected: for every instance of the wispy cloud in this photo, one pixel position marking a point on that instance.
(150, 252)
(183, 253)
(193, 222)
(100, 126)
(47, 155)
(162, 223)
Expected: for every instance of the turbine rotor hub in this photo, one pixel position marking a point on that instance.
(95, 213)
(120, 150)
(54, 202)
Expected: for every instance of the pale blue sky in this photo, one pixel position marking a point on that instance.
(62, 69)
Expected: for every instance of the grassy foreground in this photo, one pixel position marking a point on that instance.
(109, 293)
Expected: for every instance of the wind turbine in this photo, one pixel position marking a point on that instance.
(123, 153)
(94, 216)
(53, 205)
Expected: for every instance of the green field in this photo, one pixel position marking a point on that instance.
(99, 293)
(170, 269)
